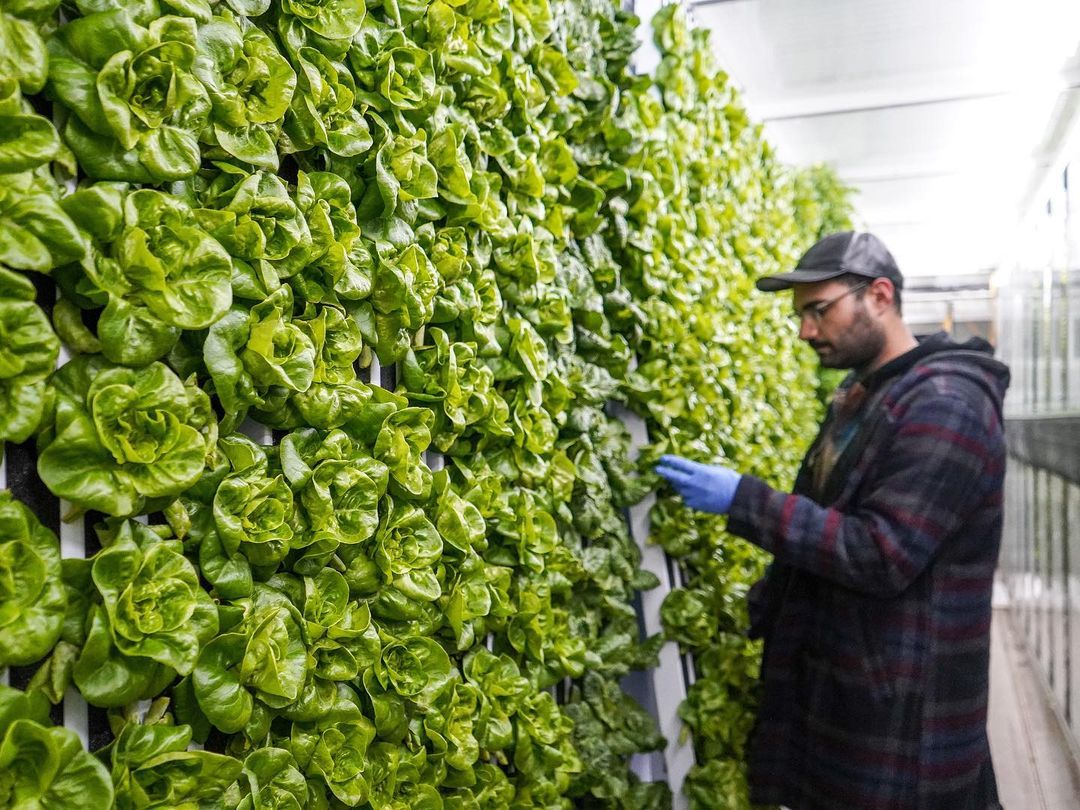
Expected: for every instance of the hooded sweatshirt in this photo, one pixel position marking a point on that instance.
(876, 610)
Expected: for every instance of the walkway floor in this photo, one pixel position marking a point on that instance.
(1034, 764)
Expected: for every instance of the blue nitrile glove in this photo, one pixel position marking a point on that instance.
(705, 487)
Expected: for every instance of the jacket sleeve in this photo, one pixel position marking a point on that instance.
(760, 601)
(931, 476)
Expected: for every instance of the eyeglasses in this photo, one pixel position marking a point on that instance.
(817, 311)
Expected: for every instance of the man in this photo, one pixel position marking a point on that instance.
(876, 609)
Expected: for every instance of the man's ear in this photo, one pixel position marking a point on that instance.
(882, 293)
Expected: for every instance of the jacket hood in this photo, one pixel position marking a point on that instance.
(973, 359)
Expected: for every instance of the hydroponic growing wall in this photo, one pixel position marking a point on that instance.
(312, 314)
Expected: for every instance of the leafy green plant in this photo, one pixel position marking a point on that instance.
(137, 106)
(268, 195)
(270, 778)
(257, 220)
(715, 358)
(823, 203)
(119, 439)
(22, 49)
(151, 594)
(151, 766)
(323, 111)
(339, 483)
(32, 597)
(28, 353)
(44, 766)
(250, 85)
(153, 270)
(609, 725)
(144, 622)
(262, 659)
(35, 233)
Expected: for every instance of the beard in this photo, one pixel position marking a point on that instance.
(855, 348)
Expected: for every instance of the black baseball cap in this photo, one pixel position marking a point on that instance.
(838, 253)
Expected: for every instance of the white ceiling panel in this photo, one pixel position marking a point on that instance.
(918, 133)
(799, 46)
(938, 110)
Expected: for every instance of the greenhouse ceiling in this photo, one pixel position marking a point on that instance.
(944, 114)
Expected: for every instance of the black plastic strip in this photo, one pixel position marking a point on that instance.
(23, 481)
(98, 730)
(46, 292)
(19, 677)
(388, 376)
(91, 541)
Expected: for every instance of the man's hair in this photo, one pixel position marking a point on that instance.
(854, 279)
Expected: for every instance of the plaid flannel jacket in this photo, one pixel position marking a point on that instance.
(876, 609)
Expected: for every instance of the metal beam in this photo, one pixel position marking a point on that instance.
(850, 106)
(897, 176)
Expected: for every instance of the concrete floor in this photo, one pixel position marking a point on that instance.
(1035, 765)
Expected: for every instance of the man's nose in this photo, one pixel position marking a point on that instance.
(807, 328)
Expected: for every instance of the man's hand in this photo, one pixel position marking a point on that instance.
(705, 487)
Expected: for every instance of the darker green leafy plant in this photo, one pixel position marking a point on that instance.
(44, 766)
(32, 597)
(28, 353)
(119, 439)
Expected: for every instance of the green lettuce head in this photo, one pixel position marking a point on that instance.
(341, 266)
(270, 780)
(402, 440)
(32, 595)
(407, 547)
(335, 397)
(333, 756)
(417, 669)
(28, 140)
(119, 439)
(324, 112)
(155, 270)
(332, 19)
(156, 607)
(42, 766)
(261, 663)
(152, 767)
(250, 85)
(137, 108)
(396, 73)
(447, 378)
(258, 221)
(340, 485)
(28, 352)
(253, 350)
(255, 515)
(22, 49)
(35, 233)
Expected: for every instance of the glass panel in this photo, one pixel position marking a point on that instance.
(1072, 372)
(1058, 345)
(1072, 524)
(1059, 678)
(1030, 550)
(1043, 650)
